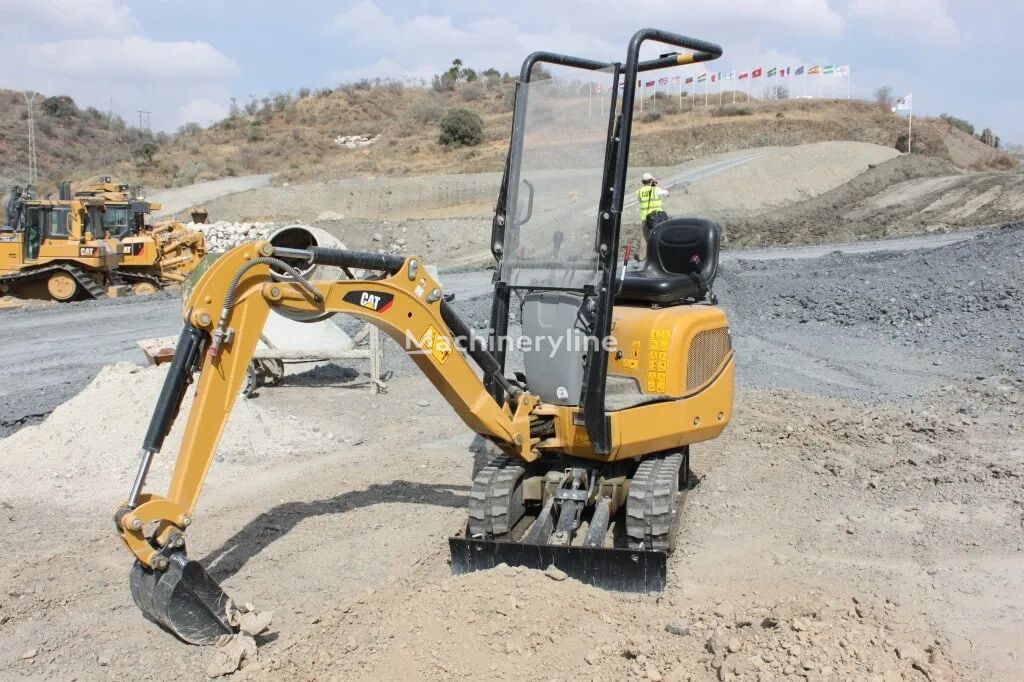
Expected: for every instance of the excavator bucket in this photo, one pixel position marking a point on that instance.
(183, 599)
(609, 568)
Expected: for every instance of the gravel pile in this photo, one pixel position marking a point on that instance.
(965, 296)
(223, 235)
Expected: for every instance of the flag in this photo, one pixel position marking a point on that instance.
(828, 69)
(772, 71)
(675, 79)
(729, 76)
(756, 73)
(743, 74)
(814, 69)
(904, 103)
(703, 77)
(843, 70)
(689, 79)
(799, 70)
(649, 84)
(622, 84)
(783, 71)
(598, 89)
(714, 77)
(663, 81)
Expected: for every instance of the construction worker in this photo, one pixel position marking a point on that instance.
(652, 210)
(12, 211)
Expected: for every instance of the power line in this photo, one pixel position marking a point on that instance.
(33, 163)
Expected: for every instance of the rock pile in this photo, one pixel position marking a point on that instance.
(223, 235)
(355, 141)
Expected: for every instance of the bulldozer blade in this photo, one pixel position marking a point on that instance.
(620, 570)
(183, 599)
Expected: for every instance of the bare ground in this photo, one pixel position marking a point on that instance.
(828, 537)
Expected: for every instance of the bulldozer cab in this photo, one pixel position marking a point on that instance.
(555, 232)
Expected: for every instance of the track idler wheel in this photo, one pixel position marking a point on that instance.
(183, 599)
(62, 286)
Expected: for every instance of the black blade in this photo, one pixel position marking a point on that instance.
(184, 599)
(621, 570)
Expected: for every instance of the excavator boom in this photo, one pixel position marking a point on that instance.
(224, 318)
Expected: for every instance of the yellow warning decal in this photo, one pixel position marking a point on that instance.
(580, 438)
(438, 344)
(657, 360)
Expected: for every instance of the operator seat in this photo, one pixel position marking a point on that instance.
(681, 264)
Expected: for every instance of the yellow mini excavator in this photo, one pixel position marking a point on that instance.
(621, 370)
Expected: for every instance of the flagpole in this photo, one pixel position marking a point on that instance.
(680, 93)
(833, 84)
(910, 124)
(590, 101)
(849, 75)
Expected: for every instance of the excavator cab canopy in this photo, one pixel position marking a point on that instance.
(555, 232)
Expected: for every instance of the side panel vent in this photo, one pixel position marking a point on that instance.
(709, 348)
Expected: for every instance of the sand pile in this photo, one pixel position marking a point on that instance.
(89, 445)
(496, 624)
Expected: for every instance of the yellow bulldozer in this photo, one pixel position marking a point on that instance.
(621, 371)
(56, 248)
(154, 255)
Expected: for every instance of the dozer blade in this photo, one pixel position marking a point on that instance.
(183, 599)
(621, 570)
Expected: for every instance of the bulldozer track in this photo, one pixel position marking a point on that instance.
(495, 502)
(133, 277)
(653, 501)
(85, 282)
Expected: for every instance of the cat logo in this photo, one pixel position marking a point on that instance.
(134, 249)
(88, 251)
(377, 301)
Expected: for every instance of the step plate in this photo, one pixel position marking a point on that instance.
(621, 570)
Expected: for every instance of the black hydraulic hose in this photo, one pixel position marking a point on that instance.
(343, 258)
(476, 348)
(229, 297)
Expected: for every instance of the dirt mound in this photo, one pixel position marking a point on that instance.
(89, 445)
(822, 218)
(494, 624)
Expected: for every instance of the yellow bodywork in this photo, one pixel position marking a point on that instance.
(85, 245)
(407, 306)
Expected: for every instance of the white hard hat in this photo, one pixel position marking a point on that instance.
(646, 177)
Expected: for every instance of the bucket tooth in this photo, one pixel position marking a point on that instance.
(183, 599)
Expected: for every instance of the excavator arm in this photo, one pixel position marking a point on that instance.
(224, 318)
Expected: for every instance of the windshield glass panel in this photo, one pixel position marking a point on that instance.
(551, 236)
(117, 221)
(58, 223)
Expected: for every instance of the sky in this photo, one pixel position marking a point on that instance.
(183, 60)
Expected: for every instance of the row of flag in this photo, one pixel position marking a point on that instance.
(759, 72)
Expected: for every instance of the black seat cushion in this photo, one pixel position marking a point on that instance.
(682, 261)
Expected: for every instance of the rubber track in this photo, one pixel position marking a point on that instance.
(84, 281)
(652, 504)
(495, 504)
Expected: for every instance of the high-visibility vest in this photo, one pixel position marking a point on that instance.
(650, 201)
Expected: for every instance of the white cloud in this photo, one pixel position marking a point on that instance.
(128, 59)
(922, 21)
(203, 111)
(67, 17)
(428, 42)
(96, 52)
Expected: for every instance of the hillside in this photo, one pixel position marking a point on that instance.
(70, 142)
(295, 137)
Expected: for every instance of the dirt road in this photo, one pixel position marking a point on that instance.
(84, 337)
